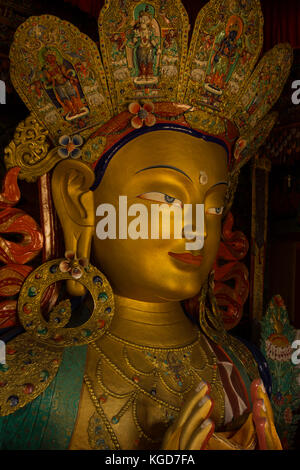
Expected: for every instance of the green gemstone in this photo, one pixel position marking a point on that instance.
(86, 333)
(32, 291)
(4, 367)
(103, 296)
(42, 331)
(44, 375)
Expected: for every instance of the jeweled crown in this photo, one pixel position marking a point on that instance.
(82, 100)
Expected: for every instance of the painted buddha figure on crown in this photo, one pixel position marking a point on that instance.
(137, 372)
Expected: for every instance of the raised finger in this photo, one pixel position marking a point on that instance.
(263, 418)
(201, 411)
(201, 435)
(202, 389)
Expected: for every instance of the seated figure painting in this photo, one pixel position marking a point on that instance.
(106, 353)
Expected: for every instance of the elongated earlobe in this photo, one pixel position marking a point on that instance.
(74, 203)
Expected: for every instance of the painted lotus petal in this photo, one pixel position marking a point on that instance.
(149, 107)
(76, 272)
(75, 153)
(77, 140)
(134, 108)
(63, 152)
(64, 140)
(136, 122)
(150, 120)
(70, 255)
(64, 266)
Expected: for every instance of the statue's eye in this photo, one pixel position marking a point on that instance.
(162, 198)
(215, 210)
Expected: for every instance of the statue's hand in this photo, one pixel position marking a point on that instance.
(193, 428)
(263, 418)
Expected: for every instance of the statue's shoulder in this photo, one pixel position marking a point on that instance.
(28, 370)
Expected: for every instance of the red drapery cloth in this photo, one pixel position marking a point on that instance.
(282, 18)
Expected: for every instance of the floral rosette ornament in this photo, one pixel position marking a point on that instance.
(143, 114)
(70, 146)
(73, 265)
(277, 335)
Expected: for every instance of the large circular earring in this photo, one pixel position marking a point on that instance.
(55, 331)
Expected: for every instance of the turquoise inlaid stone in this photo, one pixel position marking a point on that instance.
(103, 296)
(42, 331)
(100, 442)
(98, 429)
(4, 367)
(32, 291)
(115, 420)
(44, 375)
(86, 333)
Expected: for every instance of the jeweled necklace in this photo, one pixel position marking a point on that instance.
(171, 367)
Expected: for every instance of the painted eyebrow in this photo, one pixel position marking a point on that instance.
(165, 166)
(217, 184)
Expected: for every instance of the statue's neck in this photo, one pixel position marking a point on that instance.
(152, 324)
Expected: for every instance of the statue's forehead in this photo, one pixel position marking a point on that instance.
(169, 146)
(168, 154)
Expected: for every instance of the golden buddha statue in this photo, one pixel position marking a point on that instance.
(129, 369)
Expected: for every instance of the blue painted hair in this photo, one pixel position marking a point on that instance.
(106, 158)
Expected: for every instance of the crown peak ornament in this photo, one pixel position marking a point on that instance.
(214, 85)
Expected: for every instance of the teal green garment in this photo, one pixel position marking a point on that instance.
(39, 424)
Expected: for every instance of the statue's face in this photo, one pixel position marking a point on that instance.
(174, 168)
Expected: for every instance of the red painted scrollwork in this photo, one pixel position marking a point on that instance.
(21, 240)
(228, 268)
(231, 286)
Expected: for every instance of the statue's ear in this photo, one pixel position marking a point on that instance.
(74, 203)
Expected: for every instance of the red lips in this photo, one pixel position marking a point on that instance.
(187, 258)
